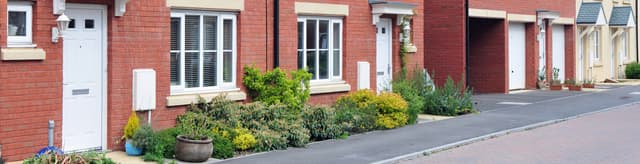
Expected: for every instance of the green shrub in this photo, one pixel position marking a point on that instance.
(194, 126)
(450, 100)
(274, 87)
(632, 71)
(161, 145)
(243, 139)
(321, 122)
(391, 111)
(270, 140)
(223, 147)
(412, 90)
(356, 112)
(143, 137)
(52, 157)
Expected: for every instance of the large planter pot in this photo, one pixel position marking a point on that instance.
(575, 88)
(193, 150)
(541, 85)
(132, 150)
(556, 87)
(588, 86)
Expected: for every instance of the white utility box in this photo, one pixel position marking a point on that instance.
(144, 89)
(364, 75)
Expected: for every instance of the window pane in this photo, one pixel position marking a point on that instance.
(227, 74)
(311, 34)
(336, 36)
(175, 33)
(72, 24)
(228, 34)
(336, 63)
(17, 23)
(300, 35)
(209, 69)
(192, 69)
(89, 24)
(192, 32)
(210, 32)
(175, 68)
(324, 64)
(324, 34)
(311, 63)
(300, 59)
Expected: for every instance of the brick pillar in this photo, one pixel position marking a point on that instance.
(549, 50)
(570, 53)
(531, 68)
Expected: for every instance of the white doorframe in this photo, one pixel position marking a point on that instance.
(389, 23)
(103, 10)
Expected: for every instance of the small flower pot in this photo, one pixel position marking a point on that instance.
(575, 88)
(193, 150)
(132, 150)
(556, 87)
(588, 86)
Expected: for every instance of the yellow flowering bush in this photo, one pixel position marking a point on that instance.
(132, 126)
(244, 140)
(392, 111)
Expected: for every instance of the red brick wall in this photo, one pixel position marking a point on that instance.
(532, 55)
(570, 53)
(488, 58)
(444, 38)
(566, 8)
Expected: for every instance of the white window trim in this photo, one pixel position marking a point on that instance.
(221, 85)
(21, 41)
(332, 79)
(596, 46)
(625, 46)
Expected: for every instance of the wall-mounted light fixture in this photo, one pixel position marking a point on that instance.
(63, 25)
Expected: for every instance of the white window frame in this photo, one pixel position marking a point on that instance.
(596, 45)
(28, 9)
(625, 46)
(332, 20)
(221, 85)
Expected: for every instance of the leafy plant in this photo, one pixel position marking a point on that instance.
(243, 139)
(143, 137)
(321, 122)
(450, 100)
(590, 82)
(542, 75)
(194, 126)
(632, 71)
(356, 112)
(275, 87)
(412, 90)
(391, 111)
(570, 82)
(223, 147)
(270, 140)
(133, 123)
(52, 157)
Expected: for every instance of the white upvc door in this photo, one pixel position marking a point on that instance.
(516, 56)
(542, 49)
(383, 55)
(622, 54)
(84, 79)
(559, 50)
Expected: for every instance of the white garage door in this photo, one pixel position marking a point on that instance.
(516, 56)
(558, 50)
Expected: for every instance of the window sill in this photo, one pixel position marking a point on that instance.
(321, 88)
(9, 54)
(22, 45)
(186, 99)
(411, 48)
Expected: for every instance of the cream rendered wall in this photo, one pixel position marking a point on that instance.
(601, 69)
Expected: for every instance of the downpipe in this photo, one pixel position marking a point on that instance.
(52, 124)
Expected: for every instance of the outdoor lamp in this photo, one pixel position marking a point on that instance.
(63, 25)
(407, 32)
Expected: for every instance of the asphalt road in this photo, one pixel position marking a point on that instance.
(607, 137)
(384, 145)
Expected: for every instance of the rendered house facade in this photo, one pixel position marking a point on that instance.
(503, 46)
(89, 81)
(606, 31)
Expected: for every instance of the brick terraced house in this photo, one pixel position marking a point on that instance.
(503, 45)
(160, 55)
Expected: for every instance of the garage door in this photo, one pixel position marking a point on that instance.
(558, 50)
(516, 56)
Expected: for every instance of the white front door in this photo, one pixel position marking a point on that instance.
(543, 49)
(516, 56)
(622, 54)
(383, 55)
(84, 70)
(558, 50)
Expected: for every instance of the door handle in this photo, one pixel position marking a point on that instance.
(380, 73)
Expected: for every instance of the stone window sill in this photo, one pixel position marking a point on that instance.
(186, 99)
(9, 54)
(321, 88)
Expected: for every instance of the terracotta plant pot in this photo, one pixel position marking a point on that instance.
(588, 86)
(556, 87)
(575, 88)
(193, 150)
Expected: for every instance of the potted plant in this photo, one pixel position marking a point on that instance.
(588, 84)
(193, 144)
(556, 84)
(133, 124)
(573, 85)
(142, 138)
(541, 80)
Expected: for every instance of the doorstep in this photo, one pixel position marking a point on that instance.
(424, 118)
(122, 157)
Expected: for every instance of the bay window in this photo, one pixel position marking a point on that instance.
(320, 47)
(203, 51)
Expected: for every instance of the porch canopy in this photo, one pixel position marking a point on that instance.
(120, 7)
(591, 14)
(380, 7)
(622, 17)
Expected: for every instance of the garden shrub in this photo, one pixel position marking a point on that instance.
(161, 145)
(194, 126)
(143, 137)
(356, 113)
(52, 157)
(450, 100)
(243, 139)
(269, 140)
(275, 87)
(321, 122)
(632, 71)
(391, 111)
(223, 147)
(412, 89)
(133, 123)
